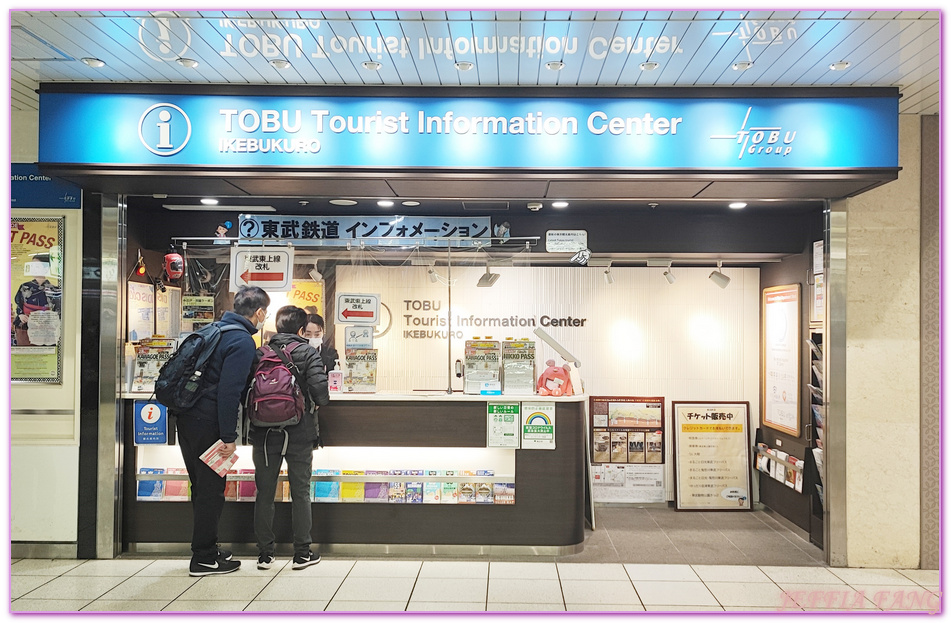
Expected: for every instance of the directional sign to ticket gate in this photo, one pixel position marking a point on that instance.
(268, 268)
(360, 309)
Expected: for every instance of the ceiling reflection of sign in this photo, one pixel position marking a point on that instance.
(565, 240)
(358, 309)
(267, 268)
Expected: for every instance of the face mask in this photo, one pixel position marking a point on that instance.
(315, 342)
(259, 325)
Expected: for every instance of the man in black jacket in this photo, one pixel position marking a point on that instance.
(301, 439)
(214, 417)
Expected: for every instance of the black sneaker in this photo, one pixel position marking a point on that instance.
(302, 561)
(224, 554)
(216, 567)
(265, 561)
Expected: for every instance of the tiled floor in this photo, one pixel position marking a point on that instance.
(368, 585)
(637, 560)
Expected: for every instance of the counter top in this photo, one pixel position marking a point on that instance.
(427, 396)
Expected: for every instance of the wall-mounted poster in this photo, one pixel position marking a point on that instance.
(781, 347)
(627, 448)
(36, 280)
(712, 455)
(140, 308)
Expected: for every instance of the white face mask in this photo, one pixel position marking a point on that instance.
(259, 325)
(315, 342)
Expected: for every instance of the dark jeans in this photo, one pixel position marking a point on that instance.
(208, 488)
(299, 457)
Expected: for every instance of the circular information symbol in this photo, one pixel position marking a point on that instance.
(150, 414)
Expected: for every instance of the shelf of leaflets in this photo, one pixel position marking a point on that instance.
(540, 491)
(814, 470)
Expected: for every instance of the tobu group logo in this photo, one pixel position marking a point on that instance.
(164, 129)
(761, 140)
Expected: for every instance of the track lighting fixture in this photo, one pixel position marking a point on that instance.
(718, 277)
(433, 277)
(608, 277)
(488, 279)
(669, 276)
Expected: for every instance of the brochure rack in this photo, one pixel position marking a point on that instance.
(547, 516)
(815, 472)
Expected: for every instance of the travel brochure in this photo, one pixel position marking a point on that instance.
(427, 490)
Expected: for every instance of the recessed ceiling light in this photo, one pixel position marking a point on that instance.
(187, 62)
(385, 203)
(555, 65)
(209, 202)
(464, 65)
(343, 202)
(742, 65)
(840, 66)
(372, 65)
(93, 62)
(737, 205)
(649, 66)
(410, 203)
(221, 208)
(280, 63)
(559, 204)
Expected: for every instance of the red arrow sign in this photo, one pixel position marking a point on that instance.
(248, 276)
(347, 313)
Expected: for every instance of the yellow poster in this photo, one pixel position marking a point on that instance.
(36, 269)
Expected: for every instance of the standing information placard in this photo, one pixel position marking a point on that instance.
(502, 423)
(538, 425)
(712, 455)
(151, 423)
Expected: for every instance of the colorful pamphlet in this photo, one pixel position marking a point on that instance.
(326, 490)
(450, 490)
(247, 490)
(414, 490)
(220, 464)
(231, 486)
(177, 490)
(518, 367)
(149, 490)
(397, 492)
(376, 492)
(360, 372)
(351, 491)
(482, 365)
(467, 490)
(432, 490)
(504, 492)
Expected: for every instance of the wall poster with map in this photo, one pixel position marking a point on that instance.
(627, 448)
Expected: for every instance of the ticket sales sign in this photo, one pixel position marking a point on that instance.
(358, 309)
(270, 269)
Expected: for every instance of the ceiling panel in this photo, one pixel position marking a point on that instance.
(784, 189)
(632, 189)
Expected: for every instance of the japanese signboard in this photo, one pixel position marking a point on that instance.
(427, 231)
(712, 456)
(502, 424)
(627, 448)
(538, 425)
(781, 348)
(565, 240)
(358, 309)
(268, 268)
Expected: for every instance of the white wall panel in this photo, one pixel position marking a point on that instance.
(689, 341)
(44, 493)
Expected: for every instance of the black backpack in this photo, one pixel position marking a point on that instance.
(180, 382)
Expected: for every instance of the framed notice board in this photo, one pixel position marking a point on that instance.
(712, 456)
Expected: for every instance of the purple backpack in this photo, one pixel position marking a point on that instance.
(275, 399)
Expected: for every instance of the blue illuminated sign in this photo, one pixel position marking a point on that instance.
(31, 189)
(469, 133)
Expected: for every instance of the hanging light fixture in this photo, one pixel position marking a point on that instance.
(669, 276)
(718, 277)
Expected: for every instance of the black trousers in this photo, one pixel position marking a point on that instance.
(208, 488)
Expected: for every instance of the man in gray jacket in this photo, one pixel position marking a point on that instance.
(302, 439)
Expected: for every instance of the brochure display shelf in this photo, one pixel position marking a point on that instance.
(420, 431)
(815, 474)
